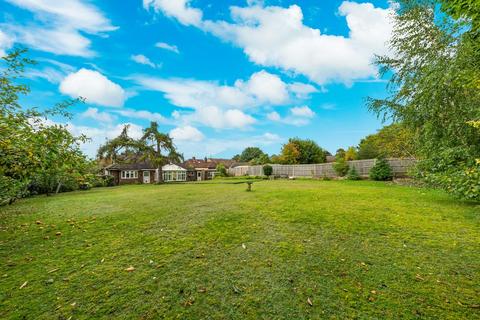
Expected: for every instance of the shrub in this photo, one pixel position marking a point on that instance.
(267, 170)
(341, 167)
(108, 181)
(381, 171)
(221, 170)
(353, 174)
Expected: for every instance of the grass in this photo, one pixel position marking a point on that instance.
(360, 250)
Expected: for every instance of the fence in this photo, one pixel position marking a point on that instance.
(400, 168)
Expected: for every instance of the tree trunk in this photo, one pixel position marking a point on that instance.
(58, 187)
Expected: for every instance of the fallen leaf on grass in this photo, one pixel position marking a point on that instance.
(202, 290)
(244, 246)
(73, 304)
(24, 285)
(101, 261)
(419, 277)
(130, 269)
(58, 233)
(236, 289)
(53, 270)
(310, 303)
(38, 222)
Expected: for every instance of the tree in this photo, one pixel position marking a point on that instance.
(267, 170)
(221, 170)
(289, 154)
(253, 154)
(123, 145)
(298, 151)
(351, 154)
(393, 141)
(159, 147)
(434, 91)
(381, 171)
(340, 154)
(35, 156)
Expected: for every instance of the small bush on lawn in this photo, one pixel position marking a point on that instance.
(341, 167)
(353, 174)
(267, 170)
(381, 171)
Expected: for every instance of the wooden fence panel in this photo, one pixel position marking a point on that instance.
(400, 168)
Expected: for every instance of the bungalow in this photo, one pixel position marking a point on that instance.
(144, 172)
(131, 173)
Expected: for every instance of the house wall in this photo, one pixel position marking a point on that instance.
(119, 181)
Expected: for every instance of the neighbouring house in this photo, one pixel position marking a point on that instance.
(204, 169)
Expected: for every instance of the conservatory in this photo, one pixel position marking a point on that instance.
(172, 173)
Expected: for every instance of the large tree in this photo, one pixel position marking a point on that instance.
(434, 91)
(392, 141)
(299, 151)
(35, 155)
(253, 155)
(160, 149)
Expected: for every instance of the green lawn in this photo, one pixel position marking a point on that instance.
(360, 250)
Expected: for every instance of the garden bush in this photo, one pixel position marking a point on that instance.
(341, 167)
(267, 170)
(353, 174)
(381, 171)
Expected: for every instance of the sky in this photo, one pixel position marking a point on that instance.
(218, 76)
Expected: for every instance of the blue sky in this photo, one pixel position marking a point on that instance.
(217, 75)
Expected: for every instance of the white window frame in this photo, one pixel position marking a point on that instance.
(129, 174)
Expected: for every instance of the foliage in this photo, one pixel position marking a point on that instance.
(393, 141)
(267, 170)
(340, 154)
(254, 155)
(371, 234)
(221, 170)
(353, 174)
(35, 155)
(11, 190)
(341, 167)
(381, 171)
(298, 151)
(434, 88)
(351, 154)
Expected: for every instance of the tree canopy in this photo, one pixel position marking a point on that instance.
(434, 90)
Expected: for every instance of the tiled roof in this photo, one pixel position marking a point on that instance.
(131, 166)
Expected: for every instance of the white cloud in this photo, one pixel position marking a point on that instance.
(302, 90)
(299, 116)
(94, 114)
(178, 9)
(166, 46)
(186, 133)
(217, 118)
(94, 87)
(274, 116)
(277, 37)
(232, 144)
(60, 26)
(141, 114)
(141, 59)
(5, 43)
(267, 87)
(302, 112)
(262, 88)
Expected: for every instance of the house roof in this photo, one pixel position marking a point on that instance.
(131, 166)
(173, 167)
